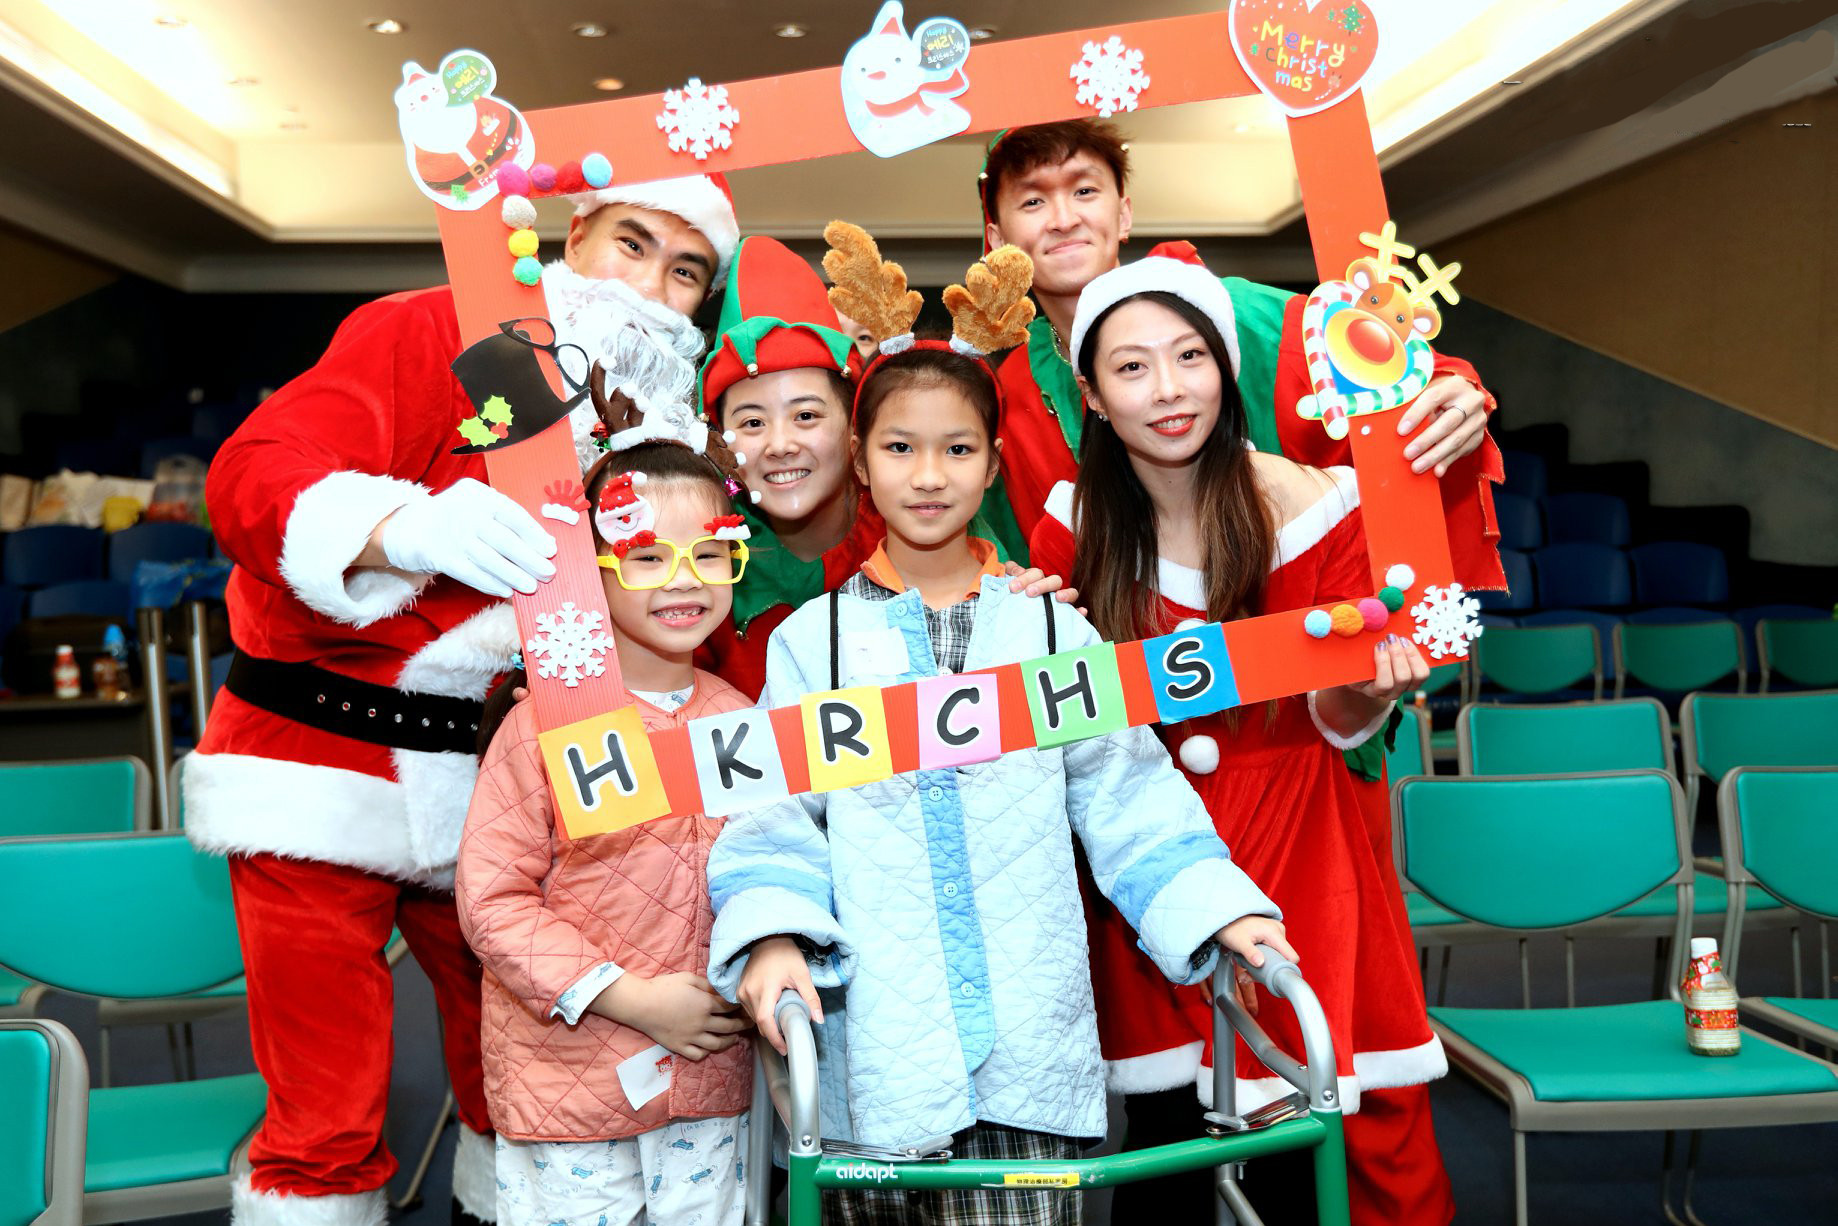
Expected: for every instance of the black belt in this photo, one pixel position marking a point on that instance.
(374, 714)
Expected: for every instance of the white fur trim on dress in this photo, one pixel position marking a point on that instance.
(251, 1208)
(1372, 1070)
(1189, 282)
(1059, 504)
(1347, 742)
(695, 198)
(1162, 1070)
(328, 527)
(475, 1183)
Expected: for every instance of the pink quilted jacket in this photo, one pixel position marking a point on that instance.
(541, 910)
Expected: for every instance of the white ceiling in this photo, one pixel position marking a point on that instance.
(296, 180)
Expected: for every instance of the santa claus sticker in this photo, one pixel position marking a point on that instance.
(456, 136)
(898, 88)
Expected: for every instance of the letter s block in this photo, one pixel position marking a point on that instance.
(1190, 672)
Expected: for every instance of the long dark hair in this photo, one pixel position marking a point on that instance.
(1116, 530)
(660, 462)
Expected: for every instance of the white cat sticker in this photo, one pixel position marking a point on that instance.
(898, 89)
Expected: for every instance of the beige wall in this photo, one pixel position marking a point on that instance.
(40, 276)
(1714, 266)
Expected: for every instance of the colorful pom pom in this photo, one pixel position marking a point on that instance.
(1200, 754)
(542, 176)
(1373, 613)
(1317, 623)
(518, 213)
(1346, 620)
(513, 180)
(1392, 597)
(527, 270)
(1400, 577)
(596, 170)
(523, 242)
(568, 178)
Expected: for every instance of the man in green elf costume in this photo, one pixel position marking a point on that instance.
(778, 380)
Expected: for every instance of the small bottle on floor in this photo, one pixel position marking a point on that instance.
(1711, 1027)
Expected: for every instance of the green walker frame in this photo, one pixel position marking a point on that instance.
(785, 1093)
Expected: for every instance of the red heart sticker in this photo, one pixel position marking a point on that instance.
(1306, 54)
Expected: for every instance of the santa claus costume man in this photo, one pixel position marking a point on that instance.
(368, 608)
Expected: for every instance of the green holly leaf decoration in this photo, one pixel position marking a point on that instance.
(496, 409)
(477, 433)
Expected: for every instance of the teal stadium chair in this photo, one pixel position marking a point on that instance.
(72, 796)
(1532, 854)
(136, 916)
(1719, 732)
(1803, 652)
(1410, 745)
(1780, 831)
(1539, 659)
(1678, 657)
(45, 1087)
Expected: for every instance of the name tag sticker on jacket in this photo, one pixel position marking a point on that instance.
(845, 738)
(875, 653)
(644, 1076)
(603, 773)
(737, 761)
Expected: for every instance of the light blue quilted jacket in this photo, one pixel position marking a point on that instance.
(948, 901)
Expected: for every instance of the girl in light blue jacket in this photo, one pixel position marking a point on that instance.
(938, 912)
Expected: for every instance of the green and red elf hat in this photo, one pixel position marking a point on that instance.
(775, 315)
(982, 185)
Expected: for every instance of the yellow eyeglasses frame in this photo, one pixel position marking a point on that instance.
(679, 555)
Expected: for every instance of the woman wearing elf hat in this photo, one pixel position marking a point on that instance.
(779, 382)
(367, 604)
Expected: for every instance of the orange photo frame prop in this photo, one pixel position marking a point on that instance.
(1024, 81)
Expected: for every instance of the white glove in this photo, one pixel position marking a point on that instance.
(473, 533)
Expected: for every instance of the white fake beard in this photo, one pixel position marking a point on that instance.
(649, 350)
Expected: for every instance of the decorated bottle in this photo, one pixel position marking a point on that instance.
(1710, 1003)
(66, 678)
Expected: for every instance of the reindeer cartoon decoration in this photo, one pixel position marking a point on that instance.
(1367, 337)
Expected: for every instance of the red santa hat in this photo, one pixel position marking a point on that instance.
(704, 201)
(622, 510)
(1173, 268)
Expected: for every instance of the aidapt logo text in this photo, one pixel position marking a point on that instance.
(866, 1172)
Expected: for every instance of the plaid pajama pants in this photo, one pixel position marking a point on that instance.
(966, 1207)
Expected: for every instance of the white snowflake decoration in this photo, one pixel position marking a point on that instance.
(1447, 620)
(697, 118)
(1110, 76)
(568, 644)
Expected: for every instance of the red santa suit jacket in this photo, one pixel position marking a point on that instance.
(293, 497)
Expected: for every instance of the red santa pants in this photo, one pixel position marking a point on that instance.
(321, 1004)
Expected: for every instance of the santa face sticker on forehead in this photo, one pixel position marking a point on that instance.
(622, 512)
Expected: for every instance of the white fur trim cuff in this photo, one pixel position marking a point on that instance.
(695, 198)
(251, 1208)
(1189, 282)
(475, 1183)
(1162, 1070)
(1059, 504)
(1406, 1066)
(238, 804)
(1347, 742)
(331, 522)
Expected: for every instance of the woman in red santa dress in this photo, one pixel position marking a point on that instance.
(368, 609)
(1173, 518)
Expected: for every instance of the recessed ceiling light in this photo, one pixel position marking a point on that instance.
(170, 21)
(1241, 127)
(609, 84)
(980, 33)
(245, 81)
(590, 29)
(388, 25)
(790, 29)
(293, 125)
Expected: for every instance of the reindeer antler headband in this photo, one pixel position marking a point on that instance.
(989, 311)
(627, 426)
